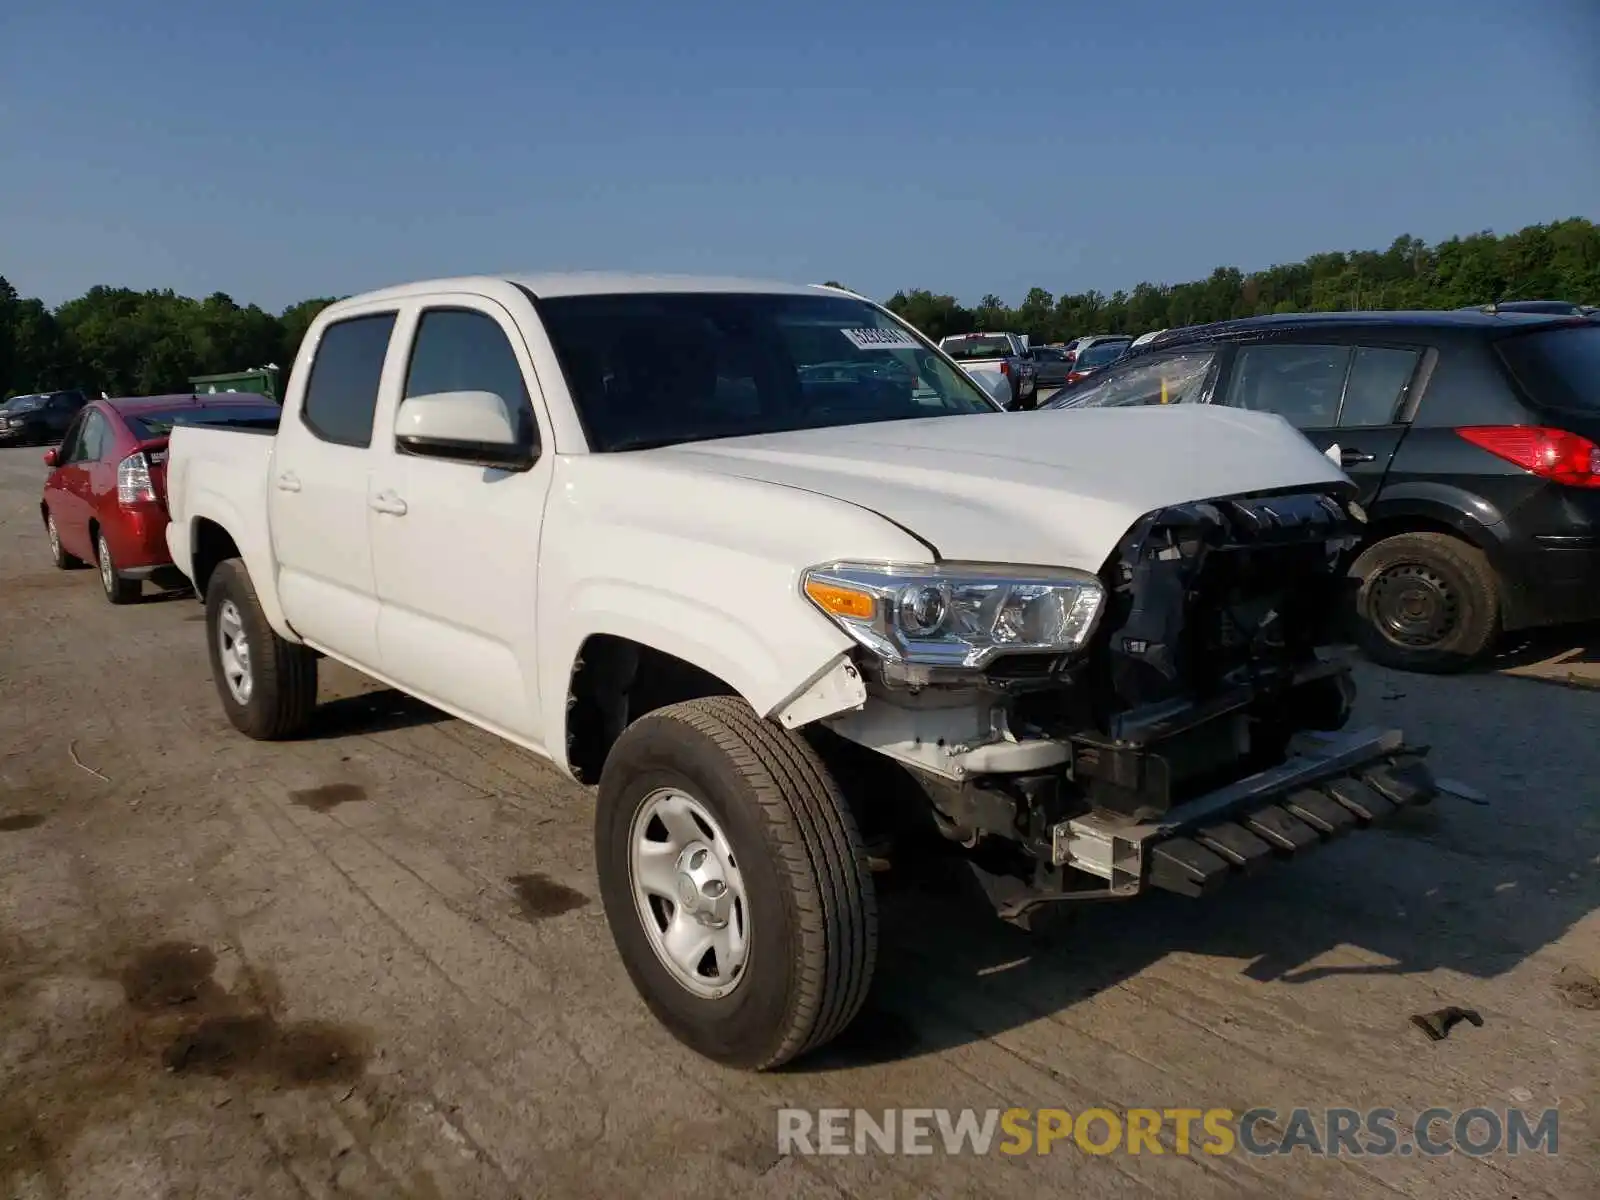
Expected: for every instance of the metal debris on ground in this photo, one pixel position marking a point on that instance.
(1438, 1023)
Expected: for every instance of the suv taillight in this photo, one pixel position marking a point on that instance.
(1552, 454)
(133, 480)
(1005, 368)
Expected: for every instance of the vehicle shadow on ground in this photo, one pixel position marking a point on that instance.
(1416, 897)
(1561, 646)
(378, 711)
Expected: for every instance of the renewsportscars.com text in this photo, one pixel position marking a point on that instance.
(1331, 1132)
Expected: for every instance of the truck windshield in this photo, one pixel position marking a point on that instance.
(965, 349)
(159, 424)
(1560, 368)
(655, 369)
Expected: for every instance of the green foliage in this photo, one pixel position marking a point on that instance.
(1560, 261)
(129, 343)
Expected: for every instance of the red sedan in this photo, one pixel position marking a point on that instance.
(105, 500)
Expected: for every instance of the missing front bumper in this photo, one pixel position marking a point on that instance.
(1331, 785)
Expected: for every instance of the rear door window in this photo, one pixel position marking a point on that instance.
(1378, 379)
(342, 393)
(1558, 368)
(1301, 383)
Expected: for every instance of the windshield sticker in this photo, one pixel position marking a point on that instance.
(880, 339)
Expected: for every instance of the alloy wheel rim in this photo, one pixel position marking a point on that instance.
(55, 538)
(689, 893)
(108, 575)
(234, 653)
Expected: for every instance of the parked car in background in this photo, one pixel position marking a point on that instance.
(1000, 364)
(1100, 352)
(1050, 365)
(39, 419)
(1474, 438)
(105, 497)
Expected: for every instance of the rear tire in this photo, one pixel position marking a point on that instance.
(63, 560)
(117, 589)
(1427, 602)
(268, 686)
(779, 832)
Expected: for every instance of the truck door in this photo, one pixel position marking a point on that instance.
(317, 489)
(455, 542)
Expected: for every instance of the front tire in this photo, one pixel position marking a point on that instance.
(1427, 602)
(117, 589)
(268, 686)
(716, 828)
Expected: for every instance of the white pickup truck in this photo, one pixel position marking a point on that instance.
(761, 562)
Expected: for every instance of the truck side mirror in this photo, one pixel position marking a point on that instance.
(475, 427)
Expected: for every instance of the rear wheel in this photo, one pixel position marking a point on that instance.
(1427, 602)
(734, 882)
(118, 590)
(63, 560)
(268, 686)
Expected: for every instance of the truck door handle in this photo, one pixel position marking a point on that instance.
(288, 482)
(1351, 458)
(388, 502)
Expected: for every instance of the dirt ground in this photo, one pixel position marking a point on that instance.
(371, 963)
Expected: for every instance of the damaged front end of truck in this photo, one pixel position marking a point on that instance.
(1172, 721)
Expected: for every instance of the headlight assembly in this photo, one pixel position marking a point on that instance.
(957, 614)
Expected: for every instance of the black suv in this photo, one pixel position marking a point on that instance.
(39, 419)
(1472, 436)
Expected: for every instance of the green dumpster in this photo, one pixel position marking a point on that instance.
(262, 381)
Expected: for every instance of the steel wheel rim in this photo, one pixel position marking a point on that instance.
(108, 575)
(1414, 606)
(234, 652)
(55, 538)
(689, 893)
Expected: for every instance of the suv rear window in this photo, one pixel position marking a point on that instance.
(1101, 353)
(1559, 368)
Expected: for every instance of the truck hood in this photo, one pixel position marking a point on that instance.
(1054, 487)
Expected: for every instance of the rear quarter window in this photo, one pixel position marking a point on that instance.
(1558, 368)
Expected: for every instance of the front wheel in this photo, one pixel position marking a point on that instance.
(734, 883)
(268, 686)
(1427, 602)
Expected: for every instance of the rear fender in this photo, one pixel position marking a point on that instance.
(1469, 515)
(255, 552)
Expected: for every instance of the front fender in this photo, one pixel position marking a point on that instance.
(768, 672)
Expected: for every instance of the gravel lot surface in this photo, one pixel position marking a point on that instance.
(371, 962)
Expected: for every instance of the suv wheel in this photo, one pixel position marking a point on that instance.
(734, 882)
(268, 686)
(118, 590)
(1427, 602)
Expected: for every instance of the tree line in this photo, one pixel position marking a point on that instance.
(123, 342)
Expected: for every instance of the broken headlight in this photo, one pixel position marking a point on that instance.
(957, 614)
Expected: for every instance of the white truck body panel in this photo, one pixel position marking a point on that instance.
(475, 588)
(1055, 487)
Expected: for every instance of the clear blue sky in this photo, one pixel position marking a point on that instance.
(298, 148)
